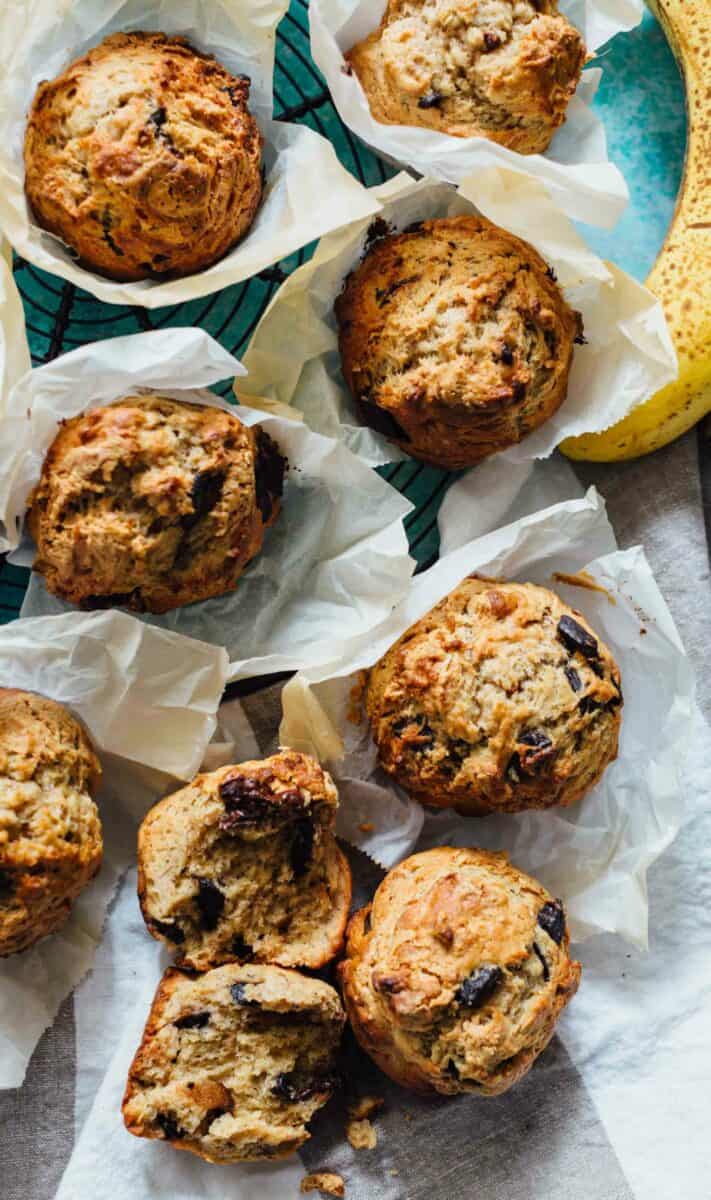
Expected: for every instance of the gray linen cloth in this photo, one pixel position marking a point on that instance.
(544, 1141)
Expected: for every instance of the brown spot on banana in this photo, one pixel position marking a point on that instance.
(681, 276)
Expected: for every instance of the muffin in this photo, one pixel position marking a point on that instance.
(234, 1063)
(500, 699)
(243, 864)
(455, 339)
(50, 832)
(456, 973)
(151, 503)
(143, 157)
(500, 69)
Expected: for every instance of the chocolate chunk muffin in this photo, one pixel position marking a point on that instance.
(243, 864)
(455, 339)
(50, 832)
(500, 699)
(143, 157)
(150, 503)
(499, 69)
(456, 973)
(234, 1063)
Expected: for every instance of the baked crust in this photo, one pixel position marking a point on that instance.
(456, 973)
(143, 157)
(500, 699)
(234, 1063)
(243, 864)
(500, 69)
(50, 832)
(152, 503)
(455, 339)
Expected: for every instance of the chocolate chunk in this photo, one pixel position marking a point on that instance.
(492, 41)
(170, 1127)
(238, 995)
(367, 922)
(377, 229)
(573, 678)
(292, 1087)
(379, 419)
(452, 1069)
(552, 919)
(580, 340)
(535, 737)
(551, 274)
(249, 801)
(240, 948)
(6, 885)
(211, 902)
(206, 491)
(158, 119)
(382, 295)
(196, 1020)
(479, 987)
(507, 355)
(588, 704)
(430, 100)
(169, 930)
(302, 845)
(574, 637)
(107, 225)
(518, 390)
(542, 959)
(269, 470)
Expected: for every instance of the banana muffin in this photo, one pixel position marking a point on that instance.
(243, 864)
(500, 69)
(50, 832)
(150, 503)
(234, 1063)
(500, 699)
(456, 973)
(455, 339)
(143, 157)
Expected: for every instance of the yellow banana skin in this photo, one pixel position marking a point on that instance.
(681, 277)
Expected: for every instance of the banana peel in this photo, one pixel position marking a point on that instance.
(681, 276)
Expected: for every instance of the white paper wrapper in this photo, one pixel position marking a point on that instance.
(307, 193)
(575, 168)
(293, 356)
(149, 700)
(332, 566)
(14, 351)
(596, 854)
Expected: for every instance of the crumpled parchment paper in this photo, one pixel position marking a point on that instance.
(293, 356)
(332, 566)
(307, 190)
(575, 168)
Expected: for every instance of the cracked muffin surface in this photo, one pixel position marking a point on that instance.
(501, 698)
(500, 69)
(143, 157)
(152, 503)
(455, 339)
(50, 832)
(243, 864)
(456, 973)
(235, 1063)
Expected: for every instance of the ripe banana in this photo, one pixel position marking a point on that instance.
(681, 277)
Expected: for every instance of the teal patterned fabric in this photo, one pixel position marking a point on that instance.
(641, 102)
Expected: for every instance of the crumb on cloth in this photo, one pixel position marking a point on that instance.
(323, 1181)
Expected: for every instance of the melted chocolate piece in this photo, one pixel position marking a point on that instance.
(170, 1127)
(302, 845)
(574, 637)
(430, 100)
(237, 994)
(542, 959)
(169, 930)
(479, 987)
(269, 470)
(573, 678)
(552, 919)
(211, 902)
(196, 1020)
